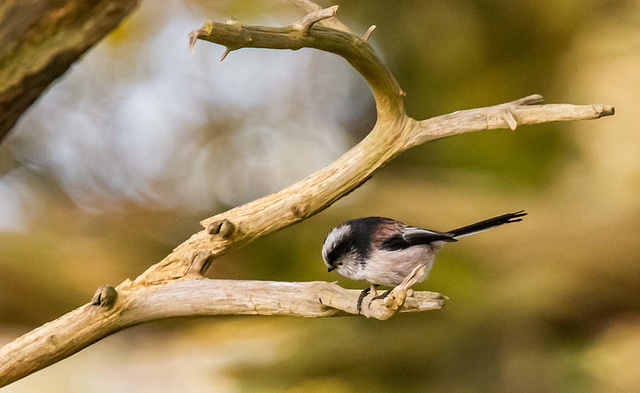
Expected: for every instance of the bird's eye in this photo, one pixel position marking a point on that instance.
(339, 263)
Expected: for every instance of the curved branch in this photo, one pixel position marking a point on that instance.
(393, 133)
(356, 50)
(93, 321)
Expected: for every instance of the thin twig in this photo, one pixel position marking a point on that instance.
(314, 17)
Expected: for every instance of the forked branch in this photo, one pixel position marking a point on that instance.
(175, 286)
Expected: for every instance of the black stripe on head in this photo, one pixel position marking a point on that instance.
(340, 249)
(337, 245)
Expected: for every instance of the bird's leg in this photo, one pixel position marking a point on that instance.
(385, 294)
(363, 294)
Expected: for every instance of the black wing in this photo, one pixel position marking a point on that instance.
(412, 236)
(415, 236)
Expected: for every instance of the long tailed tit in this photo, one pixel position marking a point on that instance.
(383, 251)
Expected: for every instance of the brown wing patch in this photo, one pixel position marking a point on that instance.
(385, 230)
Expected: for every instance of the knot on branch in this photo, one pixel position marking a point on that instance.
(200, 264)
(105, 296)
(300, 210)
(224, 228)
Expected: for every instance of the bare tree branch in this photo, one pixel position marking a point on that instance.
(527, 110)
(175, 286)
(40, 39)
(82, 327)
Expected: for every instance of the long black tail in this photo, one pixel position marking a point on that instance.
(487, 224)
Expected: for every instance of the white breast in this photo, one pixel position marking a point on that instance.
(389, 268)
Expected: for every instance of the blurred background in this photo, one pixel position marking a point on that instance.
(115, 165)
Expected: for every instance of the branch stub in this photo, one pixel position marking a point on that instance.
(314, 17)
(105, 296)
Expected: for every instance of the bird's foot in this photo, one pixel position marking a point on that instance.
(385, 294)
(363, 294)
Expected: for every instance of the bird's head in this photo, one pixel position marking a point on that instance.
(337, 246)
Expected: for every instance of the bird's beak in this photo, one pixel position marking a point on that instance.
(330, 269)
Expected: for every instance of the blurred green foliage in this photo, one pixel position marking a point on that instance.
(548, 305)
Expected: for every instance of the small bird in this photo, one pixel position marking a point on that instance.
(383, 251)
